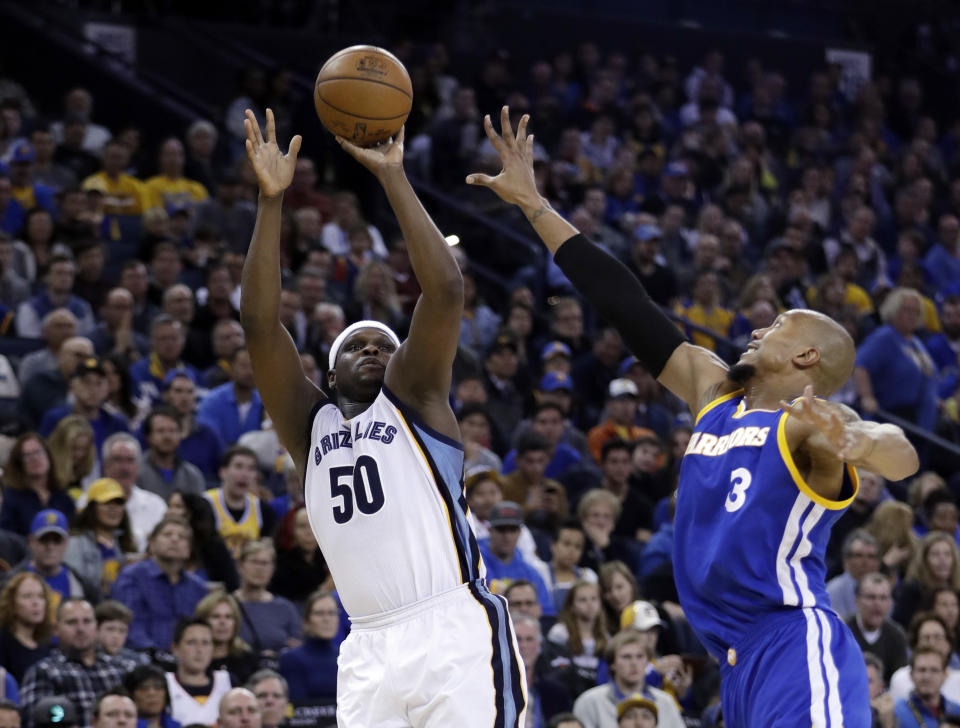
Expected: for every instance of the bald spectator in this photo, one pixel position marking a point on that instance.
(79, 103)
(239, 709)
(115, 334)
(57, 293)
(170, 189)
(58, 326)
(48, 389)
(122, 457)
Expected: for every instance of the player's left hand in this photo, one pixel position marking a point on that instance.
(380, 159)
(849, 440)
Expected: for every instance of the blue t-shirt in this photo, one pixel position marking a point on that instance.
(517, 569)
(59, 582)
(563, 457)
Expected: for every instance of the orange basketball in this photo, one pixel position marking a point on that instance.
(364, 94)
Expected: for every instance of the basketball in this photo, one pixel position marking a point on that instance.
(363, 93)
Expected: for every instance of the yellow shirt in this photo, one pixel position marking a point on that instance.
(170, 193)
(236, 533)
(853, 295)
(931, 321)
(125, 195)
(718, 319)
(25, 196)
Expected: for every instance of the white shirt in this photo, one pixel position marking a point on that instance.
(334, 239)
(145, 509)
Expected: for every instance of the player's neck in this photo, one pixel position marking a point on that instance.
(351, 408)
(761, 393)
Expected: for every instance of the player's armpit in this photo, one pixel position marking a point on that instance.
(696, 375)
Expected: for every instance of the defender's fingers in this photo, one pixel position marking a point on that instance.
(506, 130)
(294, 148)
(271, 127)
(483, 180)
(257, 137)
(492, 135)
(522, 129)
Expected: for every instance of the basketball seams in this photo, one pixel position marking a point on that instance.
(364, 80)
(363, 118)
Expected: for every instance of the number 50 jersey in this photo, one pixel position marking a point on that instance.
(385, 500)
(750, 535)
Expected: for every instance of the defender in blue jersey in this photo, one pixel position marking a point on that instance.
(769, 468)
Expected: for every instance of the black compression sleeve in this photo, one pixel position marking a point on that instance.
(622, 300)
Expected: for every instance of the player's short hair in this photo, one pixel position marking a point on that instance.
(185, 623)
(944, 658)
(615, 444)
(113, 611)
(858, 535)
(234, 451)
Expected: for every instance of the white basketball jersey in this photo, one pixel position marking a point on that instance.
(385, 499)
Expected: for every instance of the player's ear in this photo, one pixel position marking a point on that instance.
(807, 358)
(332, 379)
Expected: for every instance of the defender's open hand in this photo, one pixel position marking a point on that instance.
(274, 169)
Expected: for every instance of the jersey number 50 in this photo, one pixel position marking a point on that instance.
(360, 484)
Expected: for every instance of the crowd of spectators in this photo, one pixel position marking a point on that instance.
(152, 530)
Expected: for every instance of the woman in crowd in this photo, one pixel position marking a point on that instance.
(230, 653)
(210, 558)
(301, 569)
(119, 389)
(269, 622)
(618, 588)
(74, 454)
(31, 485)
(147, 685)
(581, 628)
(892, 526)
(945, 603)
(476, 432)
(101, 536)
(598, 511)
(311, 669)
(36, 246)
(936, 565)
(26, 622)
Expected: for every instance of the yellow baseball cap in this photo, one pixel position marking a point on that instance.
(104, 490)
(636, 701)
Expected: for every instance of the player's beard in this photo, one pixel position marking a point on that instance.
(740, 374)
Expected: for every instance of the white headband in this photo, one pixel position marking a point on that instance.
(338, 342)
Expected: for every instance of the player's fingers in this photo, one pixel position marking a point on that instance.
(271, 127)
(530, 147)
(349, 147)
(399, 138)
(492, 135)
(294, 149)
(483, 180)
(249, 147)
(522, 129)
(506, 130)
(257, 138)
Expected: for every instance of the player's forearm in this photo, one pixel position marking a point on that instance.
(553, 230)
(433, 264)
(890, 455)
(260, 283)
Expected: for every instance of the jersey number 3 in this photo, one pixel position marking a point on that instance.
(740, 481)
(360, 484)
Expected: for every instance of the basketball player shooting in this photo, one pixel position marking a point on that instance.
(381, 464)
(769, 468)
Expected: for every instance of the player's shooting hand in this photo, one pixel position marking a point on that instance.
(381, 159)
(849, 439)
(515, 183)
(274, 169)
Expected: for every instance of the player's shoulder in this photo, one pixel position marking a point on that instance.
(716, 395)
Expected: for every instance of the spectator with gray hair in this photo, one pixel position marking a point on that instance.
(273, 695)
(122, 457)
(861, 555)
(872, 628)
(57, 326)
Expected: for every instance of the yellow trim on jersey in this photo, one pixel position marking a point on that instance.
(719, 400)
(742, 410)
(464, 578)
(787, 456)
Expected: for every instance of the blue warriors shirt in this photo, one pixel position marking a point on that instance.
(750, 534)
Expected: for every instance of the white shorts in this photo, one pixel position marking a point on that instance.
(448, 661)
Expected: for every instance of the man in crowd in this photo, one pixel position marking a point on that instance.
(240, 515)
(548, 421)
(234, 408)
(500, 367)
(158, 589)
(57, 293)
(226, 339)
(122, 458)
(195, 693)
(547, 691)
(114, 710)
(75, 668)
(163, 471)
(861, 556)
(627, 658)
(47, 544)
(621, 409)
(167, 339)
(273, 695)
(926, 704)
(872, 629)
(88, 390)
(529, 485)
(58, 326)
(636, 510)
(199, 443)
(239, 709)
(115, 334)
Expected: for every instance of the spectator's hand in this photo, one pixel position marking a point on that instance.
(515, 183)
(673, 609)
(677, 673)
(274, 169)
(896, 555)
(848, 438)
(883, 704)
(381, 159)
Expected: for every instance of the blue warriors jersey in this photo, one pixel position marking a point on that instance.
(750, 534)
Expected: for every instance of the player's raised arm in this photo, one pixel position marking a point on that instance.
(419, 373)
(691, 372)
(287, 393)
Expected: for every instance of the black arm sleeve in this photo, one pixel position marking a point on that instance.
(622, 300)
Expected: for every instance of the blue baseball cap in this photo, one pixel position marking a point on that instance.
(553, 381)
(176, 374)
(648, 232)
(676, 169)
(23, 154)
(48, 521)
(626, 365)
(555, 348)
